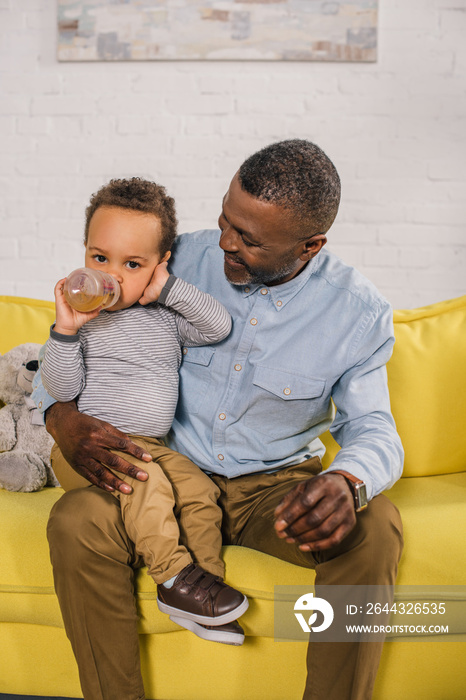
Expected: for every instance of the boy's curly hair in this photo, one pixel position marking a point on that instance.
(139, 195)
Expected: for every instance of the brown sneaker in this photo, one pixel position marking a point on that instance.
(201, 597)
(232, 633)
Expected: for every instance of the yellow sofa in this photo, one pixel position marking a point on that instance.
(427, 380)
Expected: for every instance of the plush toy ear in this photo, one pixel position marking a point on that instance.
(26, 375)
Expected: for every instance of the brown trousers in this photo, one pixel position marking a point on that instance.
(94, 559)
(172, 518)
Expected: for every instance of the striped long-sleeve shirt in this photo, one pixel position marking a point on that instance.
(123, 365)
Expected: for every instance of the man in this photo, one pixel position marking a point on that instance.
(307, 330)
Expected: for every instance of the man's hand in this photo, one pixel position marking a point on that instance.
(317, 513)
(85, 443)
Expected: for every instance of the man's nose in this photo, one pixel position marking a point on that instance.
(229, 240)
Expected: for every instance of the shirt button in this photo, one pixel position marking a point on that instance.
(253, 321)
(246, 289)
(185, 351)
(40, 404)
(264, 291)
(279, 303)
(221, 457)
(238, 368)
(287, 391)
(222, 416)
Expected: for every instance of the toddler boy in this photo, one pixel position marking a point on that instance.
(121, 365)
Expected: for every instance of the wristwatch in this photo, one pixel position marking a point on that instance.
(358, 489)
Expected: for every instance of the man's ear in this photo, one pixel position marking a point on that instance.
(312, 246)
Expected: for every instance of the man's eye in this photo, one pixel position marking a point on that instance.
(247, 243)
(132, 265)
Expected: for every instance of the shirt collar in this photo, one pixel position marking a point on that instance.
(281, 294)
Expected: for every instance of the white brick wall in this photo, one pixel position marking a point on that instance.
(396, 130)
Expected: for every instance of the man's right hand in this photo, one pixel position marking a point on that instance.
(86, 443)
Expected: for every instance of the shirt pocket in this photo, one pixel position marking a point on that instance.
(285, 403)
(195, 378)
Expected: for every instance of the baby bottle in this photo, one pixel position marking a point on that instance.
(85, 289)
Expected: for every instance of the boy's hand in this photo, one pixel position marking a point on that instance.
(155, 286)
(69, 321)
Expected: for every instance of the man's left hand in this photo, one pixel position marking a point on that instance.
(317, 513)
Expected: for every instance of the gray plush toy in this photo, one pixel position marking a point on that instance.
(24, 442)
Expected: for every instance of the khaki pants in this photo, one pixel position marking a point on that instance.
(172, 518)
(94, 560)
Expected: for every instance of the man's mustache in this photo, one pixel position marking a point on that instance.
(235, 259)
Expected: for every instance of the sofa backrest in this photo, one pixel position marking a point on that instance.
(24, 321)
(427, 382)
(426, 377)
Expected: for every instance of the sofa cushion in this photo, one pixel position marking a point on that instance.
(25, 321)
(432, 509)
(427, 382)
(434, 525)
(426, 377)
(26, 583)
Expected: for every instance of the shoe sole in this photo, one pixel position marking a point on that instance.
(204, 619)
(211, 635)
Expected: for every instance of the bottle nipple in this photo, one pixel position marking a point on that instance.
(86, 289)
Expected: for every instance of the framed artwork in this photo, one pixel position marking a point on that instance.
(216, 30)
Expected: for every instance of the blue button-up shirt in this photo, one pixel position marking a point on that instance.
(302, 356)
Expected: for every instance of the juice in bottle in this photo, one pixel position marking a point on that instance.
(86, 289)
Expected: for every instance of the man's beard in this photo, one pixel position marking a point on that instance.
(258, 275)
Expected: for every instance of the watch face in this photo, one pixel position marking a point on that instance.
(361, 496)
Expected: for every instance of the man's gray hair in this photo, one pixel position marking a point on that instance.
(297, 175)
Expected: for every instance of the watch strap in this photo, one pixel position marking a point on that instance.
(357, 486)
